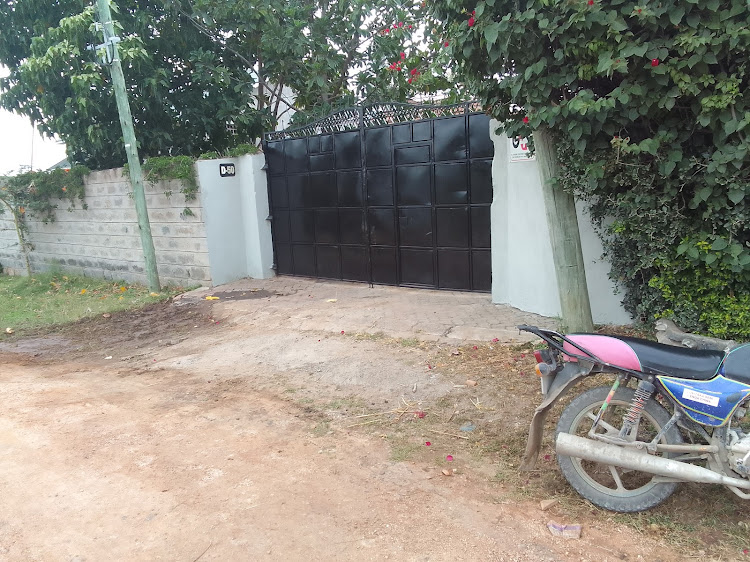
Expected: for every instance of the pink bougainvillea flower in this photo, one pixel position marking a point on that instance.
(654, 62)
(409, 27)
(413, 71)
(386, 30)
(547, 457)
(525, 119)
(475, 347)
(342, 332)
(449, 458)
(427, 443)
(495, 340)
(473, 12)
(403, 56)
(447, 43)
(420, 414)
(471, 21)
(591, 2)
(409, 80)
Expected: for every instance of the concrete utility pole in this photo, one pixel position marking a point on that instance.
(112, 57)
(566, 241)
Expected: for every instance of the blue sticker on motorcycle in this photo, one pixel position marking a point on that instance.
(709, 402)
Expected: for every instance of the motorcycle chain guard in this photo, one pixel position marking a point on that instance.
(568, 377)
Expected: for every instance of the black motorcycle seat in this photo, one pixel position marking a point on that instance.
(681, 362)
(737, 364)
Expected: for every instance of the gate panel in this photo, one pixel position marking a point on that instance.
(361, 196)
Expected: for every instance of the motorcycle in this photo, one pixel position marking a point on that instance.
(671, 415)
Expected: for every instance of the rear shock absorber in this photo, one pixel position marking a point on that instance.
(642, 394)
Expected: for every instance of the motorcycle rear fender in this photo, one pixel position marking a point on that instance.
(568, 377)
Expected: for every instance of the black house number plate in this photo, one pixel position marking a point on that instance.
(226, 170)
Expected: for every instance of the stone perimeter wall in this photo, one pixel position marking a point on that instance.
(103, 241)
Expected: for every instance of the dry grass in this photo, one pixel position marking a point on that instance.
(500, 408)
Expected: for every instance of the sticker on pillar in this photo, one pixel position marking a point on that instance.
(226, 170)
(518, 150)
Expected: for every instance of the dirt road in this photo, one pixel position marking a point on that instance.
(195, 432)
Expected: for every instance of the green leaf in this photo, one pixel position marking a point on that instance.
(491, 33)
(736, 195)
(719, 244)
(704, 193)
(676, 13)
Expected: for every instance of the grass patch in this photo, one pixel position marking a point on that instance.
(409, 342)
(403, 450)
(347, 404)
(49, 299)
(321, 428)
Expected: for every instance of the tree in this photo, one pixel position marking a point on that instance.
(198, 68)
(330, 53)
(649, 106)
(182, 94)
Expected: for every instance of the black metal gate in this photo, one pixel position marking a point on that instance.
(392, 194)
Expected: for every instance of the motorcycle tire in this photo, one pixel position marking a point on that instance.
(606, 486)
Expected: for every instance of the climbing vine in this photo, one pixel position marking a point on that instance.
(38, 194)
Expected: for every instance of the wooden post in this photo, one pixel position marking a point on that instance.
(566, 240)
(131, 146)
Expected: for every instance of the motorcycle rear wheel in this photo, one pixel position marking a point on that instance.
(609, 487)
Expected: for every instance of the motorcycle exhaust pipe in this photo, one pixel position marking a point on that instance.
(605, 453)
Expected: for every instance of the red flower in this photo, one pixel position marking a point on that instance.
(471, 21)
(409, 27)
(639, 10)
(401, 24)
(473, 12)
(654, 62)
(525, 119)
(447, 43)
(413, 71)
(591, 2)
(403, 56)
(386, 30)
(409, 80)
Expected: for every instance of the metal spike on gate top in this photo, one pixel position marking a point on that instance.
(373, 116)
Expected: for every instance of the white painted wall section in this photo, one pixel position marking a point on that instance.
(221, 198)
(523, 273)
(236, 215)
(255, 209)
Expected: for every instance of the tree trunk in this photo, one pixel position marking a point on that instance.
(565, 239)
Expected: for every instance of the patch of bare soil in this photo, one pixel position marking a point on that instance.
(178, 433)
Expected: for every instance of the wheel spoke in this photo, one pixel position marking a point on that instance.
(616, 476)
(609, 428)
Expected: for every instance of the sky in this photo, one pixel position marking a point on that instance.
(22, 145)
